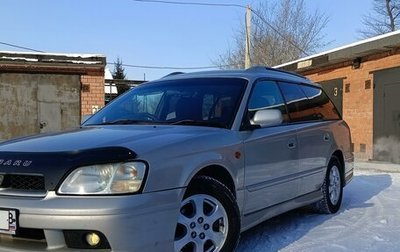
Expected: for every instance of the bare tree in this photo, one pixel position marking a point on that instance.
(281, 31)
(384, 18)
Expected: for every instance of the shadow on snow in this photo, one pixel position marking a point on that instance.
(281, 231)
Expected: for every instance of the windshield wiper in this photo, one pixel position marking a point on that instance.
(200, 123)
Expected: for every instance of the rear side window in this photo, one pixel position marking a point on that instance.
(266, 95)
(298, 105)
(322, 105)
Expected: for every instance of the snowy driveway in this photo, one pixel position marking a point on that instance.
(369, 220)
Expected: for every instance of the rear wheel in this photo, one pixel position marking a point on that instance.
(209, 218)
(332, 188)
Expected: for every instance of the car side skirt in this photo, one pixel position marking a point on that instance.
(252, 219)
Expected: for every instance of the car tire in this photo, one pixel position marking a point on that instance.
(332, 189)
(209, 218)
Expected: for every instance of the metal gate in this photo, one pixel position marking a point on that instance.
(36, 103)
(387, 115)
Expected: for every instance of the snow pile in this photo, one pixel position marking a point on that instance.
(19, 58)
(73, 55)
(66, 58)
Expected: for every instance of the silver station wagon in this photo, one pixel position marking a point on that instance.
(184, 163)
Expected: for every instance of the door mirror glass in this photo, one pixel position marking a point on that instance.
(267, 117)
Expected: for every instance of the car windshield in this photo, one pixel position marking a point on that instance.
(202, 101)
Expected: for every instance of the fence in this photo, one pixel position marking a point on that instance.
(114, 88)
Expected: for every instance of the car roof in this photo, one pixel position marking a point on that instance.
(251, 74)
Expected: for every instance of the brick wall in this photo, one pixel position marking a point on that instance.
(92, 92)
(358, 102)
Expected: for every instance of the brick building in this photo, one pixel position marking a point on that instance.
(363, 80)
(44, 92)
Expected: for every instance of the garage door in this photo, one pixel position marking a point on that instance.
(387, 115)
(35, 103)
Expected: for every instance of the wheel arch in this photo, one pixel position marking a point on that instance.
(219, 173)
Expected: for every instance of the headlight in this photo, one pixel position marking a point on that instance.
(105, 179)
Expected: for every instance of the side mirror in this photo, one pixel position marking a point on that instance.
(267, 117)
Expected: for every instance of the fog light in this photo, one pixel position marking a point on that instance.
(85, 239)
(92, 239)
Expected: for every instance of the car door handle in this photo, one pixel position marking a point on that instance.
(291, 144)
(327, 137)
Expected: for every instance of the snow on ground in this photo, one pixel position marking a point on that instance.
(369, 220)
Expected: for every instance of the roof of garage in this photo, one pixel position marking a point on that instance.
(50, 62)
(379, 44)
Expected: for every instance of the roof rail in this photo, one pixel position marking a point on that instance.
(173, 73)
(263, 68)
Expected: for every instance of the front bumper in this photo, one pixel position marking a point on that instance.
(142, 222)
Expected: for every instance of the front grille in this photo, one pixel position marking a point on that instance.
(23, 182)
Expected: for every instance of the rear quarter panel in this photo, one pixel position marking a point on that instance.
(343, 142)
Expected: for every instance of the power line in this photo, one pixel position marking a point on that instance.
(20, 47)
(170, 67)
(229, 5)
(188, 3)
(128, 65)
(191, 3)
(278, 32)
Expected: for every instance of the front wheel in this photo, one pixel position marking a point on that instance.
(332, 189)
(209, 218)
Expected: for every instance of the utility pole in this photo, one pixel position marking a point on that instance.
(247, 60)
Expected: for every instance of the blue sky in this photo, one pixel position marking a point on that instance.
(150, 33)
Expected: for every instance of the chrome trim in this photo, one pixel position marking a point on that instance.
(22, 193)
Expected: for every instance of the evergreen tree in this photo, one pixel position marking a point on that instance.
(119, 74)
(119, 70)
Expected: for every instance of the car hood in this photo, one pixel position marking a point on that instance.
(144, 138)
(55, 155)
